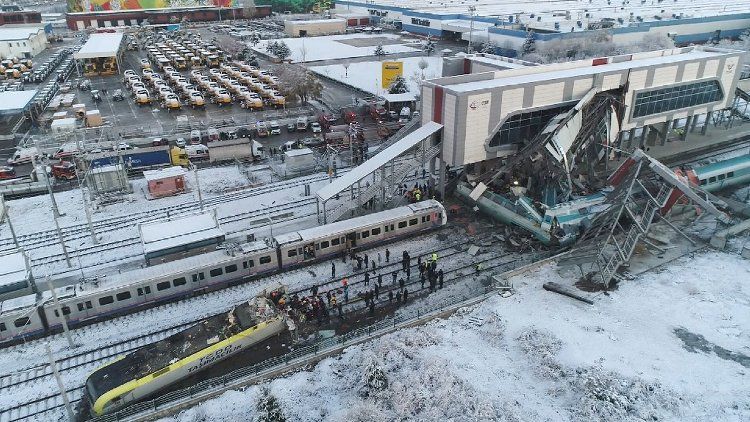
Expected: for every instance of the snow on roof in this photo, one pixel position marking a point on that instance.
(345, 226)
(20, 33)
(173, 171)
(181, 231)
(399, 98)
(554, 72)
(25, 303)
(15, 100)
(314, 21)
(100, 45)
(298, 152)
(13, 268)
(329, 191)
(496, 61)
(106, 169)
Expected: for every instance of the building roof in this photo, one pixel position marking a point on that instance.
(182, 231)
(315, 21)
(552, 72)
(19, 33)
(15, 101)
(160, 174)
(100, 45)
(382, 158)
(298, 152)
(13, 269)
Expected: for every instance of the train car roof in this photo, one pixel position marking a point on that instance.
(158, 355)
(180, 266)
(28, 302)
(721, 167)
(354, 223)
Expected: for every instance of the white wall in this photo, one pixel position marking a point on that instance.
(16, 48)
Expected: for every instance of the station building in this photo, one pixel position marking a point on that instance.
(492, 114)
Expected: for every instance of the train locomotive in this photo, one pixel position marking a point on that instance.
(129, 291)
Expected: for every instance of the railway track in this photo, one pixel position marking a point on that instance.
(46, 403)
(43, 238)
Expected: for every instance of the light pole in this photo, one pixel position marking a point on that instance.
(270, 221)
(472, 9)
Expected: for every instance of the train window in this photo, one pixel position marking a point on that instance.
(2, 326)
(425, 218)
(90, 306)
(376, 231)
(248, 264)
(85, 305)
(365, 234)
(386, 228)
(179, 281)
(164, 285)
(413, 221)
(123, 296)
(712, 179)
(722, 177)
(703, 182)
(65, 311)
(730, 174)
(146, 290)
(80, 307)
(265, 259)
(106, 300)
(401, 224)
(291, 253)
(335, 242)
(20, 322)
(324, 244)
(230, 268)
(216, 272)
(428, 217)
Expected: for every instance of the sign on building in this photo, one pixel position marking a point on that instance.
(390, 71)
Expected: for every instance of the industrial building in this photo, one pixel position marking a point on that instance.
(22, 41)
(101, 55)
(133, 17)
(506, 22)
(308, 28)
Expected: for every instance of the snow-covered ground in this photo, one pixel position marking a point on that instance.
(367, 76)
(671, 345)
(310, 49)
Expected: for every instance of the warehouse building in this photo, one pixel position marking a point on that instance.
(22, 41)
(507, 23)
(491, 114)
(309, 28)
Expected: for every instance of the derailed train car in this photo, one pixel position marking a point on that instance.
(152, 368)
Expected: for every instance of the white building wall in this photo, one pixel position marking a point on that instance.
(477, 126)
(449, 124)
(548, 94)
(666, 75)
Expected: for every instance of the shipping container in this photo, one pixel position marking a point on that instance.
(137, 159)
(233, 149)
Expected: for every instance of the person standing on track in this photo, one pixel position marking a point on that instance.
(387, 255)
(333, 270)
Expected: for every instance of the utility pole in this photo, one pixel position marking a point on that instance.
(88, 211)
(62, 241)
(198, 185)
(10, 225)
(472, 9)
(60, 385)
(60, 312)
(46, 179)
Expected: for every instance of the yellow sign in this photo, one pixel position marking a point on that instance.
(390, 71)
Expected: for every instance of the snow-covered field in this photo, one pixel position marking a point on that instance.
(367, 76)
(310, 49)
(671, 345)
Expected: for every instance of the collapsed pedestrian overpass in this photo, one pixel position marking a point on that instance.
(374, 184)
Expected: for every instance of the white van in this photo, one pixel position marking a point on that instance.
(23, 155)
(197, 152)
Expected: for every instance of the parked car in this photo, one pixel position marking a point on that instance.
(291, 127)
(275, 128)
(315, 127)
(180, 142)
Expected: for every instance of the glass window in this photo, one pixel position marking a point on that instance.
(524, 126)
(2, 326)
(230, 268)
(413, 221)
(265, 259)
(365, 234)
(65, 311)
(106, 300)
(722, 177)
(164, 285)
(730, 174)
(335, 242)
(249, 264)
(324, 244)
(712, 179)
(179, 281)
(676, 97)
(80, 307)
(376, 231)
(291, 252)
(216, 272)
(20, 322)
(703, 182)
(123, 296)
(401, 224)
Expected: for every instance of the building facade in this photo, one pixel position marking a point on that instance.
(22, 42)
(489, 115)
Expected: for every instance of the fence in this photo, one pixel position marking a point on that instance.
(244, 376)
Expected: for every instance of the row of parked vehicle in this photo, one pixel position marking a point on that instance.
(45, 69)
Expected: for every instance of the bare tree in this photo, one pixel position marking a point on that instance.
(423, 64)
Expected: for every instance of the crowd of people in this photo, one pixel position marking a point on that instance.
(329, 299)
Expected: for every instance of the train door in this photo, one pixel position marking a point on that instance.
(351, 240)
(308, 252)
